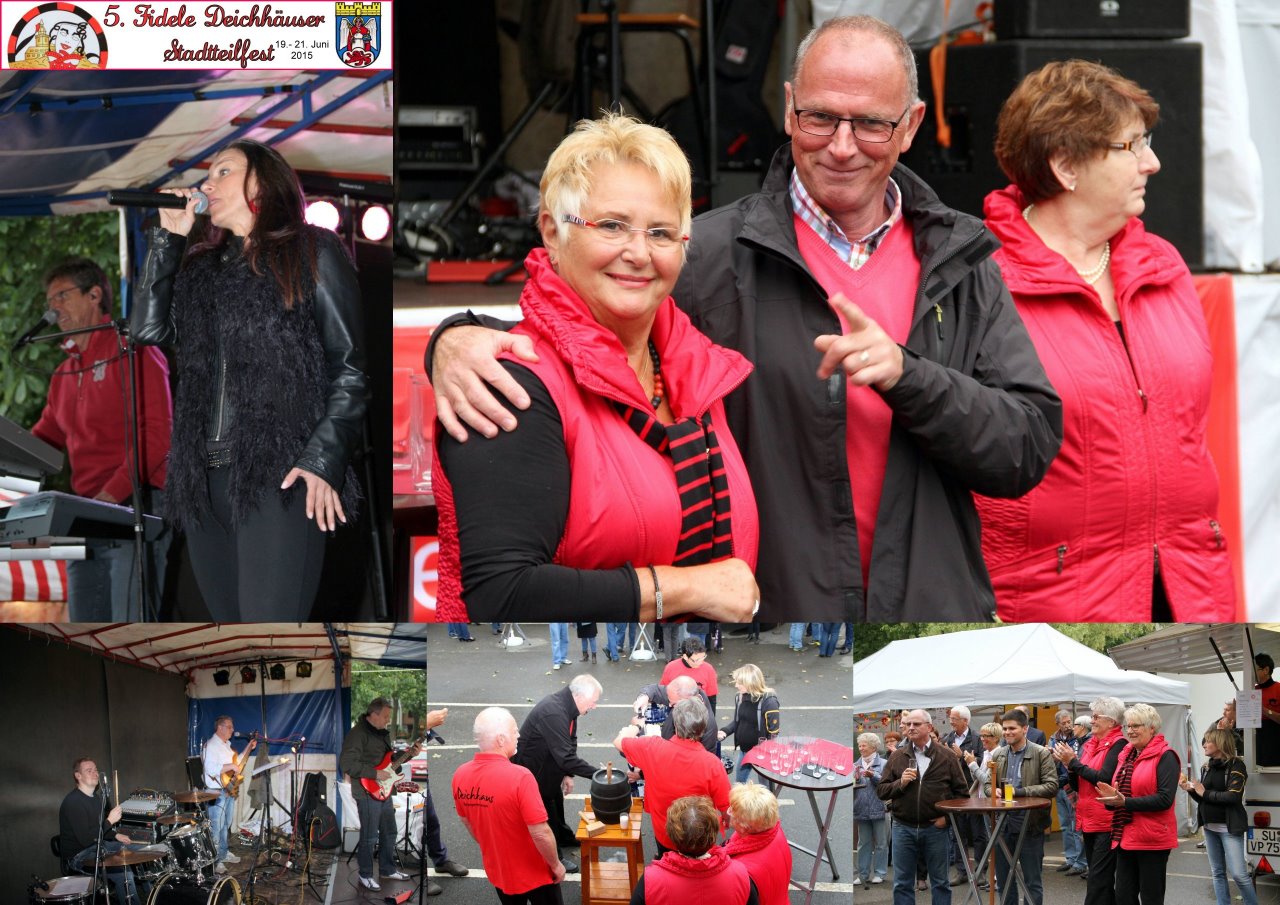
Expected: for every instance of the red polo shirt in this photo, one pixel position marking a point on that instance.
(704, 674)
(499, 800)
(674, 769)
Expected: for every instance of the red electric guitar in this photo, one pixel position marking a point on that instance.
(378, 789)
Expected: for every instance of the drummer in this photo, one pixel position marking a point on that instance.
(78, 822)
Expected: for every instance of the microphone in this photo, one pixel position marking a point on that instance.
(433, 736)
(135, 198)
(49, 317)
(39, 883)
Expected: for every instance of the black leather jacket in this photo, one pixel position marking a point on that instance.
(278, 388)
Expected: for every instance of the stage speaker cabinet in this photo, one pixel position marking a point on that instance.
(1092, 19)
(437, 138)
(981, 77)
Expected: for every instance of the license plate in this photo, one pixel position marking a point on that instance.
(1264, 841)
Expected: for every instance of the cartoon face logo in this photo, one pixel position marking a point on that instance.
(57, 36)
(358, 26)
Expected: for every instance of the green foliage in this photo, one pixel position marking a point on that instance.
(405, 688)
(1101, 636)
(28, 247)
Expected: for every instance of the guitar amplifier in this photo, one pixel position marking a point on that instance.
(1092, 19)
(437, 138)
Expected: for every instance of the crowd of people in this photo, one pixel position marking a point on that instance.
(1112, 774)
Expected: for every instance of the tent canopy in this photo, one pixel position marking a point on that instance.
(1025, 663)
(181, 648)
(71, 136)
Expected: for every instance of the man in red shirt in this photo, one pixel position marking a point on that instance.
(692, 662)
(501, 807)
(85, 417)
(675, 768)
(1268, 751)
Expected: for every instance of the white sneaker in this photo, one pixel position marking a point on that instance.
(231, 858)
(877, 880)
(556, 666)
(219, 868)
(369, 883)
(396, 875)
(857, 881)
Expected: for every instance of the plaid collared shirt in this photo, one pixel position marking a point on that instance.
(855, 252)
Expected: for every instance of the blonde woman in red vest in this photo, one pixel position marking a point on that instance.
(1141, 795)
(1123, 528)
(622, 496)
(758, 842)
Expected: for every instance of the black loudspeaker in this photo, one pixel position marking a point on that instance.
(981, 77)
(1092, 18)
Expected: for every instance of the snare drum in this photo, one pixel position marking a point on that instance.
(174, 889)
(193, 847)
(154, 869)
(65, 890)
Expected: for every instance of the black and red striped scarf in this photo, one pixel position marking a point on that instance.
(706, 527)
(1121, 817)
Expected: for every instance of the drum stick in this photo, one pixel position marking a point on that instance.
(115, 784)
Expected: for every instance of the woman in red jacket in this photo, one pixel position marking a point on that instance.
(1140, 796)
(758, 842)
(1096, 763)
(1124, 525)
(622, 497)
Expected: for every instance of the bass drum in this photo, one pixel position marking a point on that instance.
(176, 889)
(67, 891)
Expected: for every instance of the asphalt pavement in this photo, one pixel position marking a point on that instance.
(813, 693)
(1187, 882)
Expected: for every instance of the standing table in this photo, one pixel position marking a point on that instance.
(1001, 809)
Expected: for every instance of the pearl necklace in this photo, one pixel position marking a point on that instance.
(1094, 273)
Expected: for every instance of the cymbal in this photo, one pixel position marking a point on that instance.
(196, 797)
(175, 819)
(128, 858)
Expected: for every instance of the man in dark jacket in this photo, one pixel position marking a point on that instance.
(939, 395)
(675, 691)
(919, 774)
(365, 747)
(549, 750)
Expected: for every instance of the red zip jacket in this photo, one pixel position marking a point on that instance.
(675, 879)
(1150, 830)
(624, 505)
(1091, 815)
(1133, 479)
(767, 858)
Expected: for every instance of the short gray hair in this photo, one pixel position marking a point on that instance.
(690, 718)
(961, 711)
(1083, 720)
(868, 25)
(1112, 708)
(1060, 714)
(491, 723)
(685, 686)
(584, 686)
(871, 738)
(1145, 714)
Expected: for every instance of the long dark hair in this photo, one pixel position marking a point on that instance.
(278, 242)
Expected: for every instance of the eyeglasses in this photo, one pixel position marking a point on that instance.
(1137, 146)
(815, 122)
(1134, 727)
(59, 297)
(986, 735)
(619, 233)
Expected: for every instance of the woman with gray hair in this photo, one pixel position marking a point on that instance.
(1096, 763)
(1140, 796)
(870, 820)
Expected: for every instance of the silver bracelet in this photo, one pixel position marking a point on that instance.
(657, 594)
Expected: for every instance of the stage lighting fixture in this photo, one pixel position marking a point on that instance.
(222, 677)
(248, 675)
(276, 671)
(375, 223)
(304, 669)
(324, 214)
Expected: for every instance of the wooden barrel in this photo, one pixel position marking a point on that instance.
(610, 798)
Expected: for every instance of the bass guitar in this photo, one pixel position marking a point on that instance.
(232, 777)
(381, 789)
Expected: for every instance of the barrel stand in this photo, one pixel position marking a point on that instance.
(611, 882)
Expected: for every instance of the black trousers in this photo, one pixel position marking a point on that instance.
(1101, 858)
(554, 803)
(266, 569)
(541, 895)
(1140, 876)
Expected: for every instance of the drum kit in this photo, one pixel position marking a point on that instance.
(176, 871)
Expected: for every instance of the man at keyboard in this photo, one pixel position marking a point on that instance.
(85, 416)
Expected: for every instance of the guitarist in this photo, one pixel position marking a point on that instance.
(365, 747)
(219, 758)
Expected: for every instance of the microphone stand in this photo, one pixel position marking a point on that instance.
(121, 327)
(97, 846)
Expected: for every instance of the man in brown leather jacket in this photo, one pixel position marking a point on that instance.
(919, 774)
